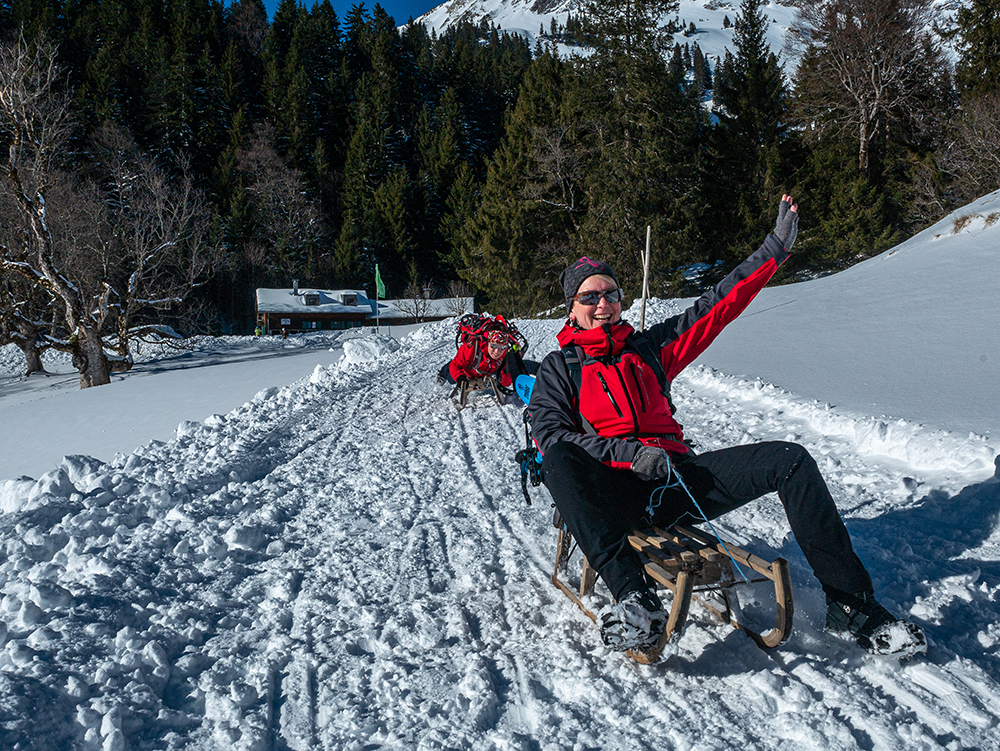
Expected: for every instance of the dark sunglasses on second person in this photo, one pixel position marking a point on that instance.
(594, 297)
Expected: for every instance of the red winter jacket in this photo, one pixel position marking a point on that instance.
(619, 394)
(472, 361)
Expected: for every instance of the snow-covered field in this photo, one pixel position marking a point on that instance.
(345, 561)
(213, 375)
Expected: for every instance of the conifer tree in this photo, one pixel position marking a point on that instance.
(677, 69)
(330, 98)
(438, 159)
(357, 42)
(377, 149)
(32, 18)
(392, 237)
(701, 71)
(460, 208)
(507, 249)
(978, 32)
(112, 44)
(278, 68)
(746, 169)
(855, 217)
(646, 123)
(247, 28)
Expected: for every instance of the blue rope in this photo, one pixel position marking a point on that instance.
(671, 482)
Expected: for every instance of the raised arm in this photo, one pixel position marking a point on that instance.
(683, 337)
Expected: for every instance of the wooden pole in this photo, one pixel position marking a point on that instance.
(645, 279)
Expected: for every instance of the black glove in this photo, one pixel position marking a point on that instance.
(787, 226)
(651, 463)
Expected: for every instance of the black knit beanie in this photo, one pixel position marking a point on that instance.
(573, 276)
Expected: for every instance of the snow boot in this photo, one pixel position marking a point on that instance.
(875, 629)
(636, 622)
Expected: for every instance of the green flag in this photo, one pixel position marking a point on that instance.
(379, 287)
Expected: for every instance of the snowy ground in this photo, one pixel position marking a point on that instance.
(347, 562)
(163, 388)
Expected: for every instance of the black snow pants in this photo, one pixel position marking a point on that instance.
(601, 505)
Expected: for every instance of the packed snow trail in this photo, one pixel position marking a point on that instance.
(348, 563)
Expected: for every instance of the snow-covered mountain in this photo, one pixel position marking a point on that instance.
(712, 35)
(528, 17)
(344, 561)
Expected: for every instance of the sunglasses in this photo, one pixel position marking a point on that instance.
(499, 345)
(594, 297)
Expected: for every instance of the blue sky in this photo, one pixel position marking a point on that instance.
(401, 10)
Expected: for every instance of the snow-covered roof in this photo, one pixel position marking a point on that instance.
(443, 307)
(330, 301)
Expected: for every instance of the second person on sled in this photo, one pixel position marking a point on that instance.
(490, 348)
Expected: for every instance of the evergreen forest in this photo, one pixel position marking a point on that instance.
(313, 147)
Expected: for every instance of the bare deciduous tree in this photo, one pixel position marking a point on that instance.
(35, 109)
(157, 249)
(557, 172)
(289, 225)
(111, 253)
(413, 302)
(973, 157)
(248, 21)
(22, 322)
(461, 293)
(867, 64)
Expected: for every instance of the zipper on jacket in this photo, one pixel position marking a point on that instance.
(604, 385)
(628, 397)
(638, 385)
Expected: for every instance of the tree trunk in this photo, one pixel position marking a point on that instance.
(863, 148)
(33, 356)
(90, 360)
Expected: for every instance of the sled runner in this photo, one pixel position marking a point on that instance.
(690, 564)
(486, 383)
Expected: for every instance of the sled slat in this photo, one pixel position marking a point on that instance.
(685, 560)
(472, 385)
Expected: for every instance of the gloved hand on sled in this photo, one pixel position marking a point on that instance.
(787, 226)
(651, 463)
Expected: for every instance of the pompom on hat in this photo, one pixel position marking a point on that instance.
(574, 275)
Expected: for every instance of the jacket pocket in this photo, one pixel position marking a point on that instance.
(604, 385)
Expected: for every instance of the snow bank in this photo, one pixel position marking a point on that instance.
(919, 447)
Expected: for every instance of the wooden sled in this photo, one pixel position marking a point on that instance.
(470, 385)
(690, 564)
